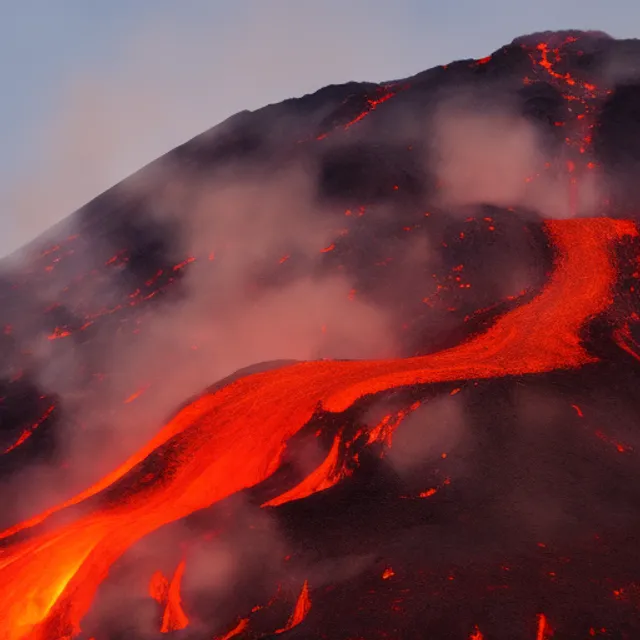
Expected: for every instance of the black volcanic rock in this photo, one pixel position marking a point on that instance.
(324, 227)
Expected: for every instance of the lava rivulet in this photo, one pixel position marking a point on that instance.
(167, 593)
(232, 438)
(300, 611)
(323, 477)
(27, 433)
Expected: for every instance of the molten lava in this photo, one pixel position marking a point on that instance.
(27, 433)
(232, 438)
(545, 632)
(476, 634)
(237, 630)
(167, 593)
(323, 477)
(303, 605)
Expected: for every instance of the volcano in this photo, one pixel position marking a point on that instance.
(358, 365)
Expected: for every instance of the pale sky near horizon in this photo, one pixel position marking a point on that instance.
(93, 90)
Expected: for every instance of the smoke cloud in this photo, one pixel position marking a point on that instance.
(496, 156)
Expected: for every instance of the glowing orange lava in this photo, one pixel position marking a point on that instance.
(58, 333)
(476, 634)
(303, 605)
(237, 630)
(168, 594)
(545, 632)
(158, 587)
(323, 477)
(583, 97)
(384, 93)
(27, 433)
(624, 339)
(232, 438)
(137, 394)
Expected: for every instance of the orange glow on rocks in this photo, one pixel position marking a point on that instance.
(549, 62)
(167, 594)
(626, 342)
(545, 632)
(325, 476)
(232, 438)
(158, 587)
(174, 618)
(372, 105)
(58, 333)
(476, 634)
(301, 610)
(137, 394)
(236, 631)
(619, 446)
(27, 433)
(384, 94)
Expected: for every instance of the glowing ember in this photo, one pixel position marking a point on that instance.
(27, 433)
(372, 104)
(578, 410)
(137, 394)
(433, 490)
(583, 97)
(476, 634)
(184, 263)
(625, 341)
(482, 61)
(59, 333)
(545, 632)
(384, 94)
(383, 431)
(620, 447)
(158, 587)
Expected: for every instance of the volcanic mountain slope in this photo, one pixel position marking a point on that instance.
(416, 303)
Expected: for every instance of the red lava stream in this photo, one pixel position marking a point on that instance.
(232, 438)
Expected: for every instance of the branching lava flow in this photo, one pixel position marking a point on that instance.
(233, 439)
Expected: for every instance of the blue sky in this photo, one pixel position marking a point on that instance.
(92, 90)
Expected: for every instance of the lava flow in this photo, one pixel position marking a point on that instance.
(167, 593)
(232, 438)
